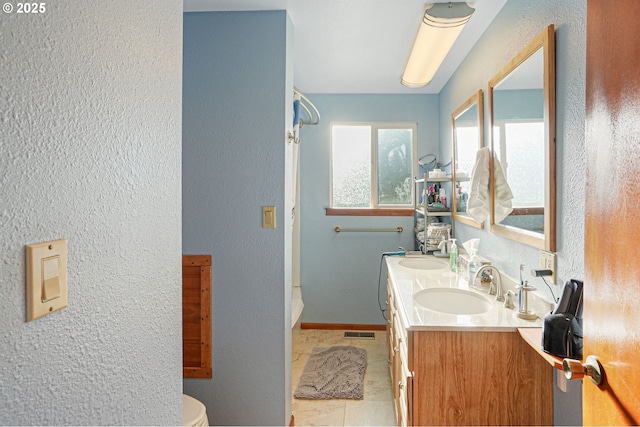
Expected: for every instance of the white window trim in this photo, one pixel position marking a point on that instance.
(375, 126)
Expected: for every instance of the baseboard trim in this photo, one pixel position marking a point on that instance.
(346, 326)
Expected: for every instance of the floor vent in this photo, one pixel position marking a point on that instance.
(361, 335)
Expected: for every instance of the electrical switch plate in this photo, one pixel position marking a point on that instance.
(46, 278)
(548, 262)
(268, 217)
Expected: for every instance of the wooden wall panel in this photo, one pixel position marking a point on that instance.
(196, 316)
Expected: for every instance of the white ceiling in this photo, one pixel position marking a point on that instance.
(359, 46)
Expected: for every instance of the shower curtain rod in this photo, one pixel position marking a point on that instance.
(311, 121)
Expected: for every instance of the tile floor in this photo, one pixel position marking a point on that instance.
(377, 406)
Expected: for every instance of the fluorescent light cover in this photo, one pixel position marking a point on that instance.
(439, 29)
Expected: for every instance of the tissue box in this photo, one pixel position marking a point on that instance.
(465, 259)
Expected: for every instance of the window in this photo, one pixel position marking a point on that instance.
(526, 138)
(372, 165)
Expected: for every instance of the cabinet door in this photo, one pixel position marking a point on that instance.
(396, 370)
(479, 378)
(405, 387)
(390, 334)
(396, 382)
(409, 401)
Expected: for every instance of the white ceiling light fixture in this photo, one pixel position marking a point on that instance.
(439, 29)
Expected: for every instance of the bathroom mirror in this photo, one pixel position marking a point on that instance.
(468, 133)
(522, 108)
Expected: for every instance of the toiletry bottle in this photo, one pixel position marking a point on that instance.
(443, 197)
(453, 256)
(473, 267)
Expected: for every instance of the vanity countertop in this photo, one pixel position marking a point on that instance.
(406, 282)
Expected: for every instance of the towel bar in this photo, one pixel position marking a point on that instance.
(398, 229)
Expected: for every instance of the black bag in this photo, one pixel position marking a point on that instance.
(562, 328)
(562, 335)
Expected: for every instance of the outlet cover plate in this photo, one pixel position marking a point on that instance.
(548, 262)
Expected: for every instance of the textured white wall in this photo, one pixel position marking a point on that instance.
(90, 148)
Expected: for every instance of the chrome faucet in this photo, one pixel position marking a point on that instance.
(493, 288)
(406, 252)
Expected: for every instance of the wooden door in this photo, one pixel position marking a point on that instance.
(612, 222)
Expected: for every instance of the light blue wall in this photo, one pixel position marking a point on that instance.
(237, 102)
(517, 104)
(339, 271)
(518, 23)
(90, 147)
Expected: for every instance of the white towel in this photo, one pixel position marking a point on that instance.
(479, 204)
(502, 194)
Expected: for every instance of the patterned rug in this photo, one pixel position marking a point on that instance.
(333, 373)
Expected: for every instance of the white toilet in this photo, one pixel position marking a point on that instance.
(194, 412)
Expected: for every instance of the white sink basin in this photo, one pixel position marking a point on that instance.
(422, 264)
(452, 301)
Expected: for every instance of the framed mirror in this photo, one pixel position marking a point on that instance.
(468, 133)
(522, 108)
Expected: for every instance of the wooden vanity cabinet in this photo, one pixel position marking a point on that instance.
(466, 378)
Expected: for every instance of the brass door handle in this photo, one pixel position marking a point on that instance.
(575, 369)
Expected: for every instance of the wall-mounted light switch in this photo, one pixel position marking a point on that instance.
(268, 217)
(46, 278)
(50, 278)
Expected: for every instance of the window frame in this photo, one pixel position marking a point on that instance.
(375, 209)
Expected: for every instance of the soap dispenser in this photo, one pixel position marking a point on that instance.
(453, 256)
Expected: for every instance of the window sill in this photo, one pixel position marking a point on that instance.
(369, 211)
(528, 211)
